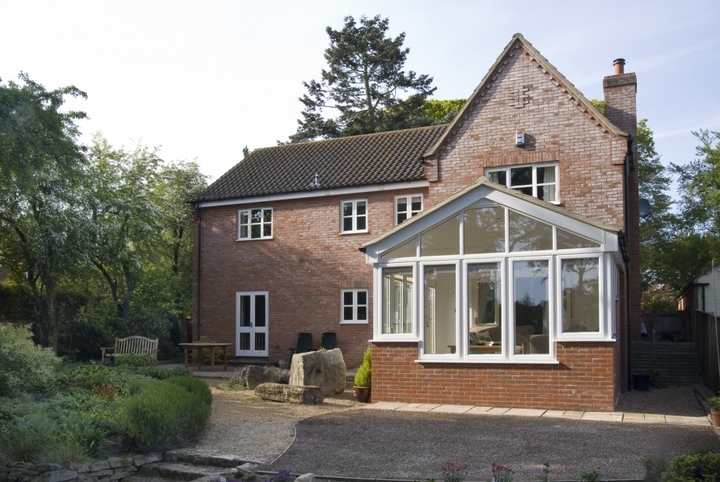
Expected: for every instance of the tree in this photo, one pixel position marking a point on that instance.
(362, 83)
(443, 111)
(126, 222)
(658, 229)
(179, 183)
(42, 171)
(699, 190)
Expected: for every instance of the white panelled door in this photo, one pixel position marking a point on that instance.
(251, 323)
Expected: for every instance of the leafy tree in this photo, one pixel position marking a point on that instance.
(657, 230)
(179, 183)
(699, 190)
(362, 83)
(443, 111)
(42, 171)
(125, 220)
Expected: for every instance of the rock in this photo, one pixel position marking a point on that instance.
(325, 369)
(307, 395)
(255, 375)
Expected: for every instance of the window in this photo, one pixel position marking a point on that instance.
(440, 309)
(484, 308)
(397, 300)
(580, 295)
(407, 207)
(354, 306)
(537, 180)
(531, 283)
(255, 223)
(354, 216)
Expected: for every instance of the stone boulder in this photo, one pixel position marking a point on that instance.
(254, 375)
(325, 369)
(306, 395)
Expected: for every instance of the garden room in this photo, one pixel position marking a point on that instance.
(495, 276)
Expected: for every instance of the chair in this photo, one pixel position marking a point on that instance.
(304, 344)
(329, 340)
(539, 344)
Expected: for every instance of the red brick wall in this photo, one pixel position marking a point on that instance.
(557, 128)
(582, 380)
(304, 268)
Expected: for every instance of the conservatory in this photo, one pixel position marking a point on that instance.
(494, 276)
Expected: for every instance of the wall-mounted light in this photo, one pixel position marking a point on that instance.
(519, 139)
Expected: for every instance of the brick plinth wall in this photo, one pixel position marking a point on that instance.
(582, 380)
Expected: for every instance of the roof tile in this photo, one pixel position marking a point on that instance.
(381, 158)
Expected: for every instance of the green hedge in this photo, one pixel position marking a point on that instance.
(160, 414)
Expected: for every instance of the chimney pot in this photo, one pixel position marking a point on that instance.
(619, 65)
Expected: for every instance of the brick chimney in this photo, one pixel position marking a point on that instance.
(620, 92)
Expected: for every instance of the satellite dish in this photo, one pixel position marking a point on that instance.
(644, 206)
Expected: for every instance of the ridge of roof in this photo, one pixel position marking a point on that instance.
(472, 101)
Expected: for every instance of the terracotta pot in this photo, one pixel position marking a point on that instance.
(715, 415)
(362, 394)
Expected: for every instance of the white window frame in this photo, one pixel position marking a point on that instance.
(607, 294)
(409, 212)
(605, 308)
(355, 305)
(249, 212)
(378, 308)
(535, 182)
(354, 216)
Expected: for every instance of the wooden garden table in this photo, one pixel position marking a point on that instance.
(211, 346)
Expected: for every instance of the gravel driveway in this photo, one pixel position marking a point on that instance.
(340, 438)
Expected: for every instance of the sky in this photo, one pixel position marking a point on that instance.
(201, 79)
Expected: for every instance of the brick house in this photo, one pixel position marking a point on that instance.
(492, 261)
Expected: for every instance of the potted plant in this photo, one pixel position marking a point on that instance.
(363, 378)
(714, 404)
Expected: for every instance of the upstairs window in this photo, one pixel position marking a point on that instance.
(407, 207)
(255, 223)
(537, 180)
(354, 216)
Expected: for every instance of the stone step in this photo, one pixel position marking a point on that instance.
(181, 471)
(210, 459)
(194, 465)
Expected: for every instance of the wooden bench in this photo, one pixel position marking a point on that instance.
(132, 345)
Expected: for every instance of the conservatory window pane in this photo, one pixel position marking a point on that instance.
(580, 295)
(528, 234)
(568, 240)
(440, 309)
(484, 230)
(530, 287)
(405, 250)
(397, 300)
(484, 305)
(443, 239)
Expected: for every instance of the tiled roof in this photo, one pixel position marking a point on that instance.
(386, 157)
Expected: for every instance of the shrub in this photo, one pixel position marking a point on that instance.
(134, 361)
(25, 439)
(363, 376)
(702, 465)
(24, 366)
(162, 413)
(196, 387)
